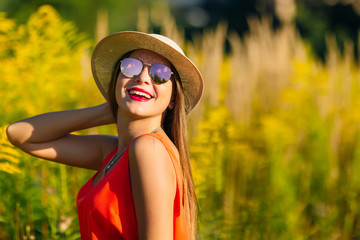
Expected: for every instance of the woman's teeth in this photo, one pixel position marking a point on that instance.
(135, 92)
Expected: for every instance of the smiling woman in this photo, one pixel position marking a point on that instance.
(143, 187)
(144, 86)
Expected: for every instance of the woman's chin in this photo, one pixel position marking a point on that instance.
(138, 113)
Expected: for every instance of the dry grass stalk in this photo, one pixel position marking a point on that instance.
(102, 24)
(260, 68)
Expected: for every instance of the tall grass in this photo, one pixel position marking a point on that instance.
(276, 155)
(274, 141)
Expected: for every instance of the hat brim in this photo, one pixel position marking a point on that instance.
(110, 49)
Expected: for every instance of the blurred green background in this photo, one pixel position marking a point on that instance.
(274, 141)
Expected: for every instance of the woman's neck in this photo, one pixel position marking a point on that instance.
(128, 129)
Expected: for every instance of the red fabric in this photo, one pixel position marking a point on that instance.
(106, 211)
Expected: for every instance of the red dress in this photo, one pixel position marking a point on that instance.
(107, 211)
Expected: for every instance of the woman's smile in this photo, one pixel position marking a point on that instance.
(139, 94)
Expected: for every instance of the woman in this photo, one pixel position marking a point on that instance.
(143, 187)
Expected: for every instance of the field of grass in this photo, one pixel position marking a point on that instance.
(275, 141)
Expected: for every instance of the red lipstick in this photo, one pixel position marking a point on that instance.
(139, 94)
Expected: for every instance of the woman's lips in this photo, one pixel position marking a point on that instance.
(139, 94)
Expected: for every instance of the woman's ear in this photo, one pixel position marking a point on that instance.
(171, 105)
(172, 100)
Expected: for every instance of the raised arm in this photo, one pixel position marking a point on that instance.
(48, 136)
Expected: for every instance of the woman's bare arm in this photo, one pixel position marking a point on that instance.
(153, 184)
(48, 136)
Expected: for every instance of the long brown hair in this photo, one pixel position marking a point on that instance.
(174, 124)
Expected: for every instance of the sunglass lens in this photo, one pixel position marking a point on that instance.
(131, 67)
(160, 73)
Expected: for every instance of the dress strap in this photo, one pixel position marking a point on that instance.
(108, 157)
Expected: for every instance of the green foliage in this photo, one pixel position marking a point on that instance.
(290, 170)
(42, 70)
(274, 147)
(9, 156)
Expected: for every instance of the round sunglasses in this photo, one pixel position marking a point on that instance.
(159, 73)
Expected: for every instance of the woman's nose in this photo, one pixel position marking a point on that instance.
(144, 76)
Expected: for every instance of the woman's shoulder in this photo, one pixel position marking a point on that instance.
(159, 140)
(150, 165)
(148, 145)
(150, 152)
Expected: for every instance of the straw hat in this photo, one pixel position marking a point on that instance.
(110, 49)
